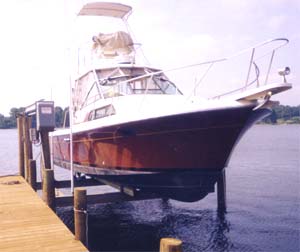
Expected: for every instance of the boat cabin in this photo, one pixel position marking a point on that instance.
(121, 81)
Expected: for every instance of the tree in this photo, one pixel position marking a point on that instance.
(2, 118)
(272, 118)
(12, 121)
(58, 116)
(283, 113)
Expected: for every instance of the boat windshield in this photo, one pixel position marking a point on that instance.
(113, 82)
(128, 85)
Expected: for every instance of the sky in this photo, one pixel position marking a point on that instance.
(35, 36)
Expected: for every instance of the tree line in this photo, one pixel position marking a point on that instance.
(280, 114)
(283, 114)
(9, 122)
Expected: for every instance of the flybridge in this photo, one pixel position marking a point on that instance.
(106, 9)
(110, 45)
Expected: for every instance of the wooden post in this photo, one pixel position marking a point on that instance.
(170, 245)
(27, 145)
(80, 214)
(25, 138)
(46, 148)
(221, 190)
(21, 146)
(49, 188)
(32, 173)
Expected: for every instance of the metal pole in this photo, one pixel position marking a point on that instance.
(221, 192)
(71, 155)
(269, 68)
(32, 174)
(71, 130)
(44, 133)
(250, 65)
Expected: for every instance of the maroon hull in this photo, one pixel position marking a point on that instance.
(200, 140)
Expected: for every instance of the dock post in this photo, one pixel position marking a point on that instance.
(80, 214)
(46, 148)
(21, 146)
(27, 145)
(49, 188)
(170, 245)
(221, 184)
(32, 174)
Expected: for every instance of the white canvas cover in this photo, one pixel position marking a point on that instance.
(105, 9)
(113, 44)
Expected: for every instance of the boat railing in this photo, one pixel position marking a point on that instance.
(251, 65)
(249, 81)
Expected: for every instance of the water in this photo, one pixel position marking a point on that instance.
(263, 197)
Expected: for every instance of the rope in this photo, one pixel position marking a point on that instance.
(82, 211)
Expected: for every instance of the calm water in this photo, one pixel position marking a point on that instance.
(263, 197)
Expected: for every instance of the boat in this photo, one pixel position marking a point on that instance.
(131, 126)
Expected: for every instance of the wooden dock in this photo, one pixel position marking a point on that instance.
(28, 224)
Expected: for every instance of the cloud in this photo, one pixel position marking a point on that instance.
(173, 33)
(277, 22)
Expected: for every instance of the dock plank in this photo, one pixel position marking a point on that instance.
(28, 224)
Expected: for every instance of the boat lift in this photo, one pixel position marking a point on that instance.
(45, 123)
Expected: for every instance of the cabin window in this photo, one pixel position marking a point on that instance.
(166, 86)
(91, 115)
(112, 87)
(102, 112)
(128, 81)
(157, 84)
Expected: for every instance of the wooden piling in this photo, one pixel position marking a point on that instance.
(170, 245)
(80, 214)
(32, 174)
(27, 224)
(25, 142)
(49, 188)
(21, 146)
(221, 191)
(27, 145)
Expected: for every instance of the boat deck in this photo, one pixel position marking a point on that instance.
(28, 224)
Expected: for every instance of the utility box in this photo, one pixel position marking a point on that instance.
(45, 115)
